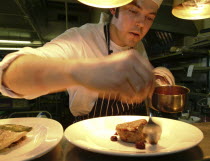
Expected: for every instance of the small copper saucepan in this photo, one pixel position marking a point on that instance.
(169, 99)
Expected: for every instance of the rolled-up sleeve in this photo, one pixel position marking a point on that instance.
(4, 64)
(59, 47)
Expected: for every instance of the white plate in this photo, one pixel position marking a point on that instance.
(44, 136)
(94, 135)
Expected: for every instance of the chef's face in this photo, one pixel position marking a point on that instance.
(132, 22)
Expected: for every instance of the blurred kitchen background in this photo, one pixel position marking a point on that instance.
(181, 45)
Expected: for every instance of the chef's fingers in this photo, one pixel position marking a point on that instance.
(145, 62)
(151, 88)
(126, 90)
(136, 85)
(136, 81)
(140, 71)
(137, 97)
(143, 68)
(143, 94)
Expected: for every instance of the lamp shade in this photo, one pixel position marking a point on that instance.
(191, 9)
(105, 3)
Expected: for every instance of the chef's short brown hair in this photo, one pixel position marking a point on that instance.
(116, 14)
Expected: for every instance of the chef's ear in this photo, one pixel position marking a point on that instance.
(113, 11)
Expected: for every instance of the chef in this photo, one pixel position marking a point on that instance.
(104, 67)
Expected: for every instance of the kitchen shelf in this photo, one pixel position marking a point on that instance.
(180, 55)
(199, 69)
(199, 94)
(201, 44)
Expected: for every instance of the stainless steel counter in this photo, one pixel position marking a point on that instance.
(65, 151)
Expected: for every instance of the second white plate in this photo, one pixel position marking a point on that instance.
(94, 135)
(44, 136)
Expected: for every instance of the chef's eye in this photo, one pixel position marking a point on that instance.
(150, 18)
(133, 11)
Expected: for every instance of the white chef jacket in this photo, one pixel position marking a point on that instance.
(87, 41)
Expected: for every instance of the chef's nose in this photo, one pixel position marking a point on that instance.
(140, 20)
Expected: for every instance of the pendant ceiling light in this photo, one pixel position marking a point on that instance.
(191, 9)
(105, 3)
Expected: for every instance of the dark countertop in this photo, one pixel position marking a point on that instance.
(65, 151)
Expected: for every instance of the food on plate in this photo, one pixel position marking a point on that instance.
(12, 133)
(132, 131)
(114, 138)
(140, 145)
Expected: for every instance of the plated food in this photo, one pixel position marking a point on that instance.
(12, 134)
(131, 132)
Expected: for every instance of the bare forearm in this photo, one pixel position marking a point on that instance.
(127, 74)
(31, 74)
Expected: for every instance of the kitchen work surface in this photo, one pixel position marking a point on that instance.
(66, 151)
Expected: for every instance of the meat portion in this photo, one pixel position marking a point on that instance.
(132, 131)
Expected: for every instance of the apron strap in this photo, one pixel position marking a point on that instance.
(107, 37)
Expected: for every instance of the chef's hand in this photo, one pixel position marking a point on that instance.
(163, 76)
(126, 74)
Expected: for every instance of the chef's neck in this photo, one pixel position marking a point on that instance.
(114, 36)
